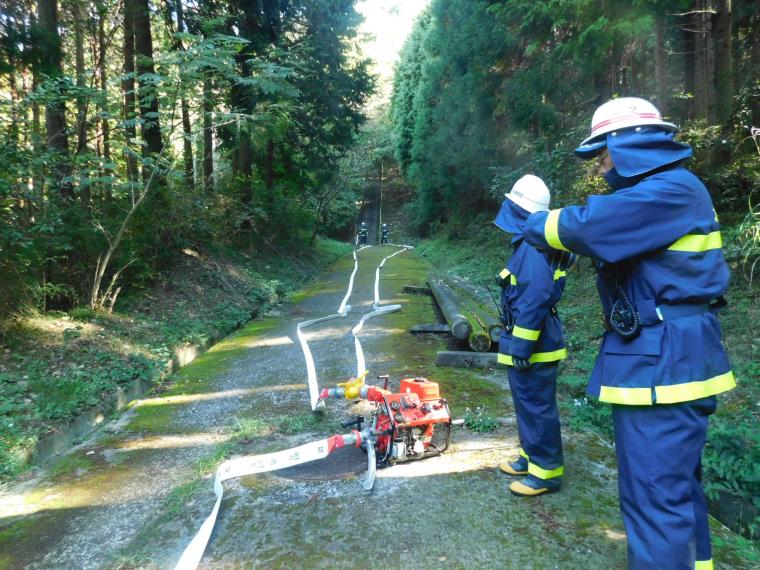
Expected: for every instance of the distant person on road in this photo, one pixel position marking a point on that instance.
(384, 234)
(532, 343)
(363, 231)
(661, 277)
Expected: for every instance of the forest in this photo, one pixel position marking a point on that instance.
(513, 85)
(130, 128)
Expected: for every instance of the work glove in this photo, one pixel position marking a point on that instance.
(520, 363)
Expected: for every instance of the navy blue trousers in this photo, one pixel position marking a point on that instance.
(659, 454)
(534, 393)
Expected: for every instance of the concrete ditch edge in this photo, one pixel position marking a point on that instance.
(87, 422)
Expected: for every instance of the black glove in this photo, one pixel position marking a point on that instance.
(520, 363)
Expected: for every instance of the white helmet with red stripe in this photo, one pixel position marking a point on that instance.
(624, 113)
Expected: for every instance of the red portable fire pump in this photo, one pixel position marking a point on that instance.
(412, 424)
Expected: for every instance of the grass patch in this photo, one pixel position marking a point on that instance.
(478, 420)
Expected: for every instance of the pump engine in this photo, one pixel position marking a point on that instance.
(411, 424)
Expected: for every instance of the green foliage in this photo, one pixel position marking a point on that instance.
(486, 92)
(732, 460)
(478, 420)
(589, 414)
(285, 84)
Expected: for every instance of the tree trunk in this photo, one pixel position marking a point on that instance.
(150, 127)
(242, 98)
(79, 18)
(37, 175)
(724, 93)
(105, 127)
(755, 67)
(660, 64)
(80, 78)
(269, 171)
(208, 136)
(703, 63)
(55, 111)
(187, 147)
(243, 155)
(128, 87)
(245, 164)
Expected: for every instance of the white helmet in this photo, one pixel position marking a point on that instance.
(531, 194)
(624, 113)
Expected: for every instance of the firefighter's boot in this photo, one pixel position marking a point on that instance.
(517, 466)
(532, 486)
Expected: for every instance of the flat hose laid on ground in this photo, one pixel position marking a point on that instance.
(252, 464)
(343, 311)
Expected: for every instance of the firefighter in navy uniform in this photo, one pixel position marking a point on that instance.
(363, 234)
(657, 244)
(532, 343)
(384, 234)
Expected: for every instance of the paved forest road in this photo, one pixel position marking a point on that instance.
(134, 496)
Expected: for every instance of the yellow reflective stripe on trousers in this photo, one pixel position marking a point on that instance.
(537, 471)
(551, 230)
(525, 334)
(628, 396)
(537, 357)
(523, 454)
(695, 390)
(697, 242)
(559, 274)
(703, 565)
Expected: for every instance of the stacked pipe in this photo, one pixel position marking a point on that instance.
(482, 304)
(467, 318)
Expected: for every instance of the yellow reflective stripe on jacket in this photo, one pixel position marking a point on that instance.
(525, 334)
(551, 230)
(537, 357)
(504, 273)
(523, 454)
(559, 274)
(513, 279)
(695, 390)
(697, 242)
(537, 471)
(628, 396)
(703, 565)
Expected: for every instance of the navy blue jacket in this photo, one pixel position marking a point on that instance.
(534, 282)
(658, 237)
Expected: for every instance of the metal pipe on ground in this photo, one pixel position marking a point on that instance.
(479, 341)
(449, 304)
(482, 305)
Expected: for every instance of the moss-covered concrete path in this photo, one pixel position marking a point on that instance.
(135, 495)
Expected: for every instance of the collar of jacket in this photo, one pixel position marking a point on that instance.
(511, 219)
(642, 150)
(616, 181)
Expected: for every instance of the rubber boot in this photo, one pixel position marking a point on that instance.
(532, 486)
(518, 466)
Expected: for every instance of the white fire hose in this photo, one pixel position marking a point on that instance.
(253, 464)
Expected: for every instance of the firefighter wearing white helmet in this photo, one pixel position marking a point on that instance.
(532, 343)
(657, 245)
